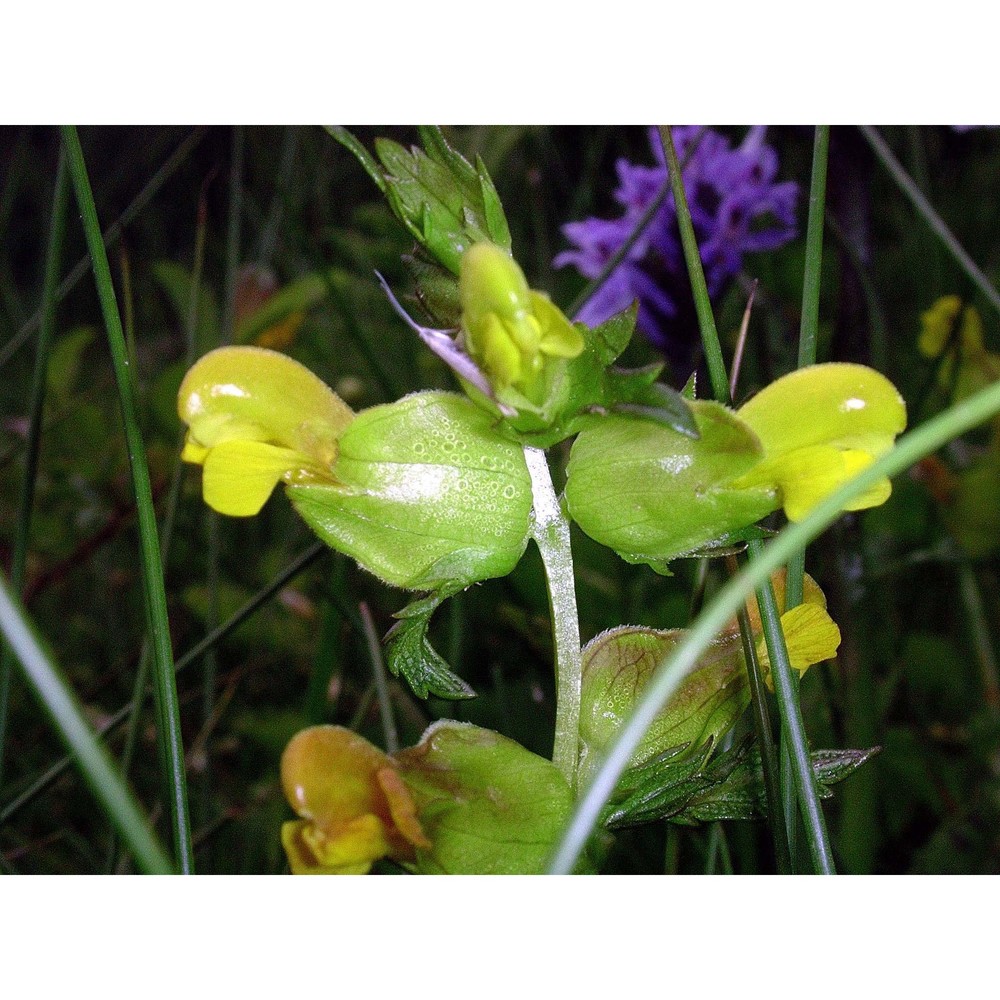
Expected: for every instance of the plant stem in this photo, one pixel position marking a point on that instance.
(809, 326)
(165, 686)
(762, 727)
(793, 734)
(550, 530)
(670, 674)
(696, 273)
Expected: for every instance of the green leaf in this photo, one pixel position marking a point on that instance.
(411, 656)
(348, 140)
(444, 202)
(658, 789)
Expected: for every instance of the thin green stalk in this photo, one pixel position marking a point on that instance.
(668, 677)
(722, 390)
(164, 687)
(174, 492)
(66, 713)
(793, 734)
(633, 237)
(193, 655)
(22, 531)
(111, 237)
(765, 741)
(926, 210)
(550, 530)
(696, 273)
(389, 732)
(794, 579)
(809, 325)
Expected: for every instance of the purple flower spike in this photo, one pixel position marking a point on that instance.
(736, 206)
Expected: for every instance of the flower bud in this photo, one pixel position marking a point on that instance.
(510, 330)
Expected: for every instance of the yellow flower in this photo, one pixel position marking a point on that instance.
(510, 329)
(939, 323)
(811, 635)
(256, 418)
(353, 805)
(820, 426)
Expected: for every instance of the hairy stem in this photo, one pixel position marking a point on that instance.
(550, 530)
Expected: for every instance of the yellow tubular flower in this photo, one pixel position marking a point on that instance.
(256, 418)
(353, 805)
(820, 426)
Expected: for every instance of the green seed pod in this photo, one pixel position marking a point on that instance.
(427, 493)
(653, 494)
(618, 665)
(487, 805)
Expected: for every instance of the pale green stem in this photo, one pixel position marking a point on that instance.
(550, 530)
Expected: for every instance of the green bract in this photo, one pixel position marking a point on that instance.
(653, 494)
(427, 493)
(487, 805)
(618, 665)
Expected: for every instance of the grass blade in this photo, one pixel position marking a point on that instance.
(164, 682)
(59, 701)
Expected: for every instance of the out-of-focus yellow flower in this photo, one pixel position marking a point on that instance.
(354, 807)
(940, 323)
(510, 329)
(256, 418)
(820, 426)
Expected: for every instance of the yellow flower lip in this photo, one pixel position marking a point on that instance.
(353, 805)
(820, 426)
(256, 417)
